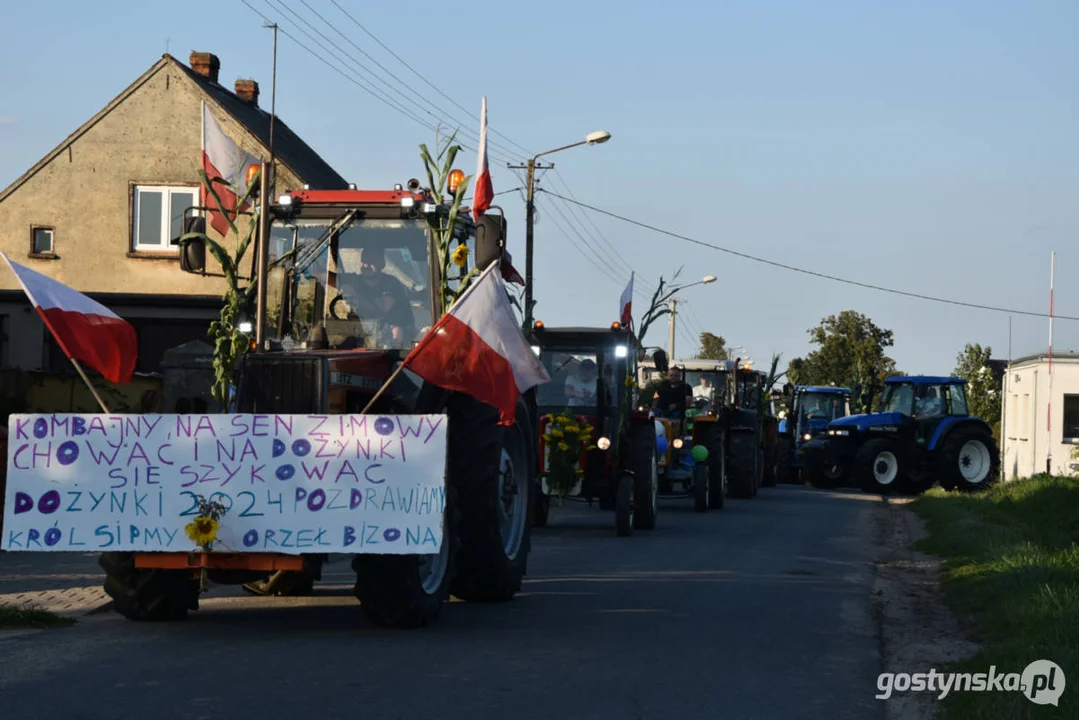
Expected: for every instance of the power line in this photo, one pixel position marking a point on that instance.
(773, 263)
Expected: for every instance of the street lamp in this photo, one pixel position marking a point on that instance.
(674, 304)
(593, 138)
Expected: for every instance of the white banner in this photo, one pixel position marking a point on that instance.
(292, 483)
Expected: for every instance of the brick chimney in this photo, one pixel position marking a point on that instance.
(248, 90)
(205, 64)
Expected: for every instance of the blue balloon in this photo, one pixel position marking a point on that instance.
(661, 445)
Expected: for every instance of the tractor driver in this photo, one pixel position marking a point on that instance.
(377, 295)
(929, 403)
(581, 387)
(672, 397)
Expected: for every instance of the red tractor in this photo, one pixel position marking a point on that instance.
(352, 284)
(592, 383)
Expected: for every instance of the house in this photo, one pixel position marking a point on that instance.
(1036, 421)
(99, 211)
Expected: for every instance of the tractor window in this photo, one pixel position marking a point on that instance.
(929, 401)
(574, 378)
(897, 398)
(822, 406)
(957, 400)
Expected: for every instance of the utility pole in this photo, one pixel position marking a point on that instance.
(530, 219)
(670, 330)
(273, 106)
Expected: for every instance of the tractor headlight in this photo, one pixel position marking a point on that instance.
(842, 433)
(603, 443)
(807, 437)
(677, 443)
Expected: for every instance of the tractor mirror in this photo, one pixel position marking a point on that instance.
(490, 239)
(193, 253)
(660, 359)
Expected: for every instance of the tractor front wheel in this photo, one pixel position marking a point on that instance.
(148, 595)
(880, 468)
(644, 464)
(623, 506)
(969, 461)
(741, 463)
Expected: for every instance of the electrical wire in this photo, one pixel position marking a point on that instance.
(813, 273)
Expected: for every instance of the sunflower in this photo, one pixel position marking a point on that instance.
(563, 446)
(202, 531)
(460, 256)
(630, 382)
(556, 433)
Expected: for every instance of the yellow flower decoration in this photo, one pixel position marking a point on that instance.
(460, 256)
(630, 382)
(564, 419)
(557, 433)
(563, 446)
(202, 530)
(573, 429)
(592, 447)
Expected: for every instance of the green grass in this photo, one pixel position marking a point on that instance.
(1011, 570)
(23, 618)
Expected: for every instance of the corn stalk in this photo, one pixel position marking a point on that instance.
(230, 344)
(443, 226)
(659, 307)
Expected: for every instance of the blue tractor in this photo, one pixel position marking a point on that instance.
(811, 409)
(922, 433)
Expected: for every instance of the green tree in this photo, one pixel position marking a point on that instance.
(713, 347)
(983, 384)
(850, 353)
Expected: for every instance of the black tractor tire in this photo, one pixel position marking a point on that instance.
(486, 570)
(880, 467)
(825, 478)
(148, 595)
(643, 462)
(741, 465)
(700, 488)
(973, 449)
(784, 458)
(623, 506)
(717, 474)
(391, 589)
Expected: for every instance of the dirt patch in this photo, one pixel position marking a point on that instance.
(918, 633)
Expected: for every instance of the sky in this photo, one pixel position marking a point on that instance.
(926, 146)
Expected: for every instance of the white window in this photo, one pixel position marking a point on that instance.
(158, 216)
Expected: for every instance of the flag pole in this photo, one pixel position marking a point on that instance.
(90, 385)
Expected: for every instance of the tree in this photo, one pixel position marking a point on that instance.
(713, 347)
(850, 353)
(983, 384)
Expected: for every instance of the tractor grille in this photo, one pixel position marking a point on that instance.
(282, 384)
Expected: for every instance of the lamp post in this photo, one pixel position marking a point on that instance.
(673, 303)
(593, 138)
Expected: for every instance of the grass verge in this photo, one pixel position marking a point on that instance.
(24, 618)
(1010, 567)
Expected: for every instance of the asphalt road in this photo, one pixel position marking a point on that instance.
(760, 610)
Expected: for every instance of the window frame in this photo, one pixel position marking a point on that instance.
(51, 252)
(167, 190)
(1065, 437)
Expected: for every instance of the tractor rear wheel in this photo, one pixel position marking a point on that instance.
(493, 471)
(880, 467)
(644, 464)
(717, 473)
(969, 461)
(742, 465)
(148, 595)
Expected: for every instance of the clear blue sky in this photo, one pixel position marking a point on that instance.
(929, 146)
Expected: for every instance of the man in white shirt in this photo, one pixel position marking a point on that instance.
(581, 387)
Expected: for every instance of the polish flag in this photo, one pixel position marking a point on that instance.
(222, 158)
(477, 348)
(84, 329)
(626, 304)
(484, 192)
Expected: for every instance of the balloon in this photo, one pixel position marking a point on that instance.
(700, 453)
(661, 445)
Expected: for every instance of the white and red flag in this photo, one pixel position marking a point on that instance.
(222, 158)
(484, 191)
(84, 329)
(625, 305)
(477, 348)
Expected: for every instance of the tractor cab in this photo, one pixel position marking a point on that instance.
(592, 385)
(914, 406)
(812, 409)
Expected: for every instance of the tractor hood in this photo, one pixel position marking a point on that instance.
(868, 420)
